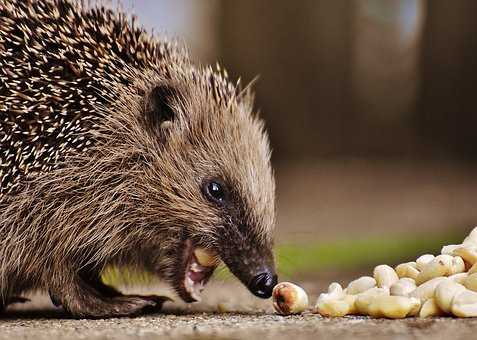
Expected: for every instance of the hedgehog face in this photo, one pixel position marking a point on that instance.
(213, 187)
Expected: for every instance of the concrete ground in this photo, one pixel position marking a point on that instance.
(236, 326)
(228, 312)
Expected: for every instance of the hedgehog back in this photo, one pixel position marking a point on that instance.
(57, 62)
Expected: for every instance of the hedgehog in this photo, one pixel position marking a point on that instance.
(117, 150)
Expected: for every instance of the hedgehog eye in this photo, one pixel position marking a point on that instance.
(215, 191)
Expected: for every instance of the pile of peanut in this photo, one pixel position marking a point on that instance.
(430, 286)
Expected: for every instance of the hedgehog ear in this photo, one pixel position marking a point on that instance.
(159, 106)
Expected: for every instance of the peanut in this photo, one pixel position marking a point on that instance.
(385, 276)
(407, 270)
(430, 308)
(335, 288)
(423, 260)
(449, 250)
(458, 278)
(441, 265)
(464, 304)
(457, 265)
(445, 292)
(360, 285)
(471, 239)
(403, 287)
(393, 307)
(288, 298)
(328, 306)
(335, 302)
(467, 252)
(364, 299)
(206, 258)
(470, 282)
(426, 290)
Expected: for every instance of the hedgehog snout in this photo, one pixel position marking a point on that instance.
(253, 264)
(262, 284)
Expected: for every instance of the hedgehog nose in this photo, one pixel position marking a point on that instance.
(262, 284)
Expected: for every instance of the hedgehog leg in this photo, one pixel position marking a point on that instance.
(108, 291)
(93, 278)
(96, 283)
(83, 300)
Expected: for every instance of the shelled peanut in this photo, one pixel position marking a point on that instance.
(440, 285)
(289, 298)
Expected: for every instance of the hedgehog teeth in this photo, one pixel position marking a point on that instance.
(192, 289)
(197, 274)
(195, 267)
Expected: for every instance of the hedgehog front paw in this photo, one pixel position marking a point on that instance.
(84, 300)
(90, 306)
(152, 303)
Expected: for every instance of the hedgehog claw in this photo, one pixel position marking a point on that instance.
(158, 300)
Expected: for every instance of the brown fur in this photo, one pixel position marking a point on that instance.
(134, 195)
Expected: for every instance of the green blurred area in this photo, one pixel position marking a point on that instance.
(352, 254)
(299, 259)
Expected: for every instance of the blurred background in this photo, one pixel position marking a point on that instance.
(372, 113)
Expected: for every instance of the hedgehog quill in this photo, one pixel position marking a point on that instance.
(116, 150)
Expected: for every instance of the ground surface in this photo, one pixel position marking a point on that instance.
(228, 312)
(236, 326)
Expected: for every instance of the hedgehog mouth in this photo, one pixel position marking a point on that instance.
(199, 265)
